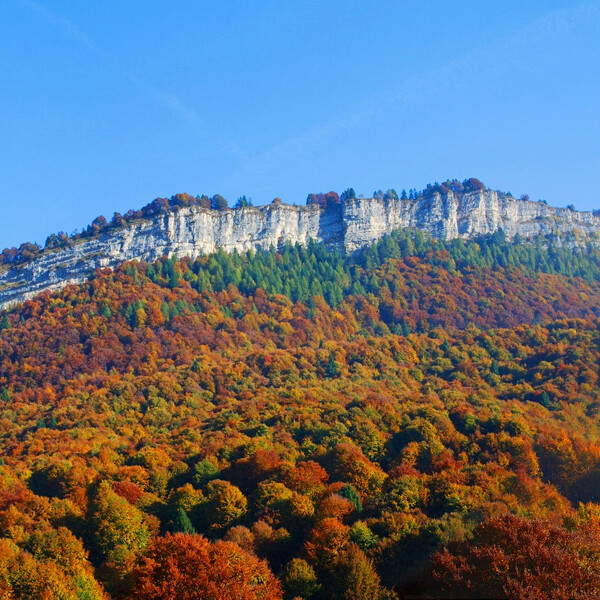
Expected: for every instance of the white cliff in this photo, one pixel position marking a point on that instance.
(450, 216)
(356, 223)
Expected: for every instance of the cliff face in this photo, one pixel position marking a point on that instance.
(357, 223)
(450, 216)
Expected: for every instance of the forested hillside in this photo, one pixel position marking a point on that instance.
(416, 420)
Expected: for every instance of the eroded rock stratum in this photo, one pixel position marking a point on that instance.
(355, 223)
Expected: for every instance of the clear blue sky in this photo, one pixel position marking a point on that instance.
(107, 105)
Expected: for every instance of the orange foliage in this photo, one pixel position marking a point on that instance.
(188, 567)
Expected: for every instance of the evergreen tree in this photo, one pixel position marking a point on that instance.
(181, 522)
(4, 323)
(331, 370)
(351, 494)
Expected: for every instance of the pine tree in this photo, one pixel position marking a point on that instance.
(181, 522)
(351, 494)
(331, 370)
(4, 323)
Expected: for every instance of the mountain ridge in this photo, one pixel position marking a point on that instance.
(348, 226)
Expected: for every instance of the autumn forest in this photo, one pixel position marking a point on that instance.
(418, 420)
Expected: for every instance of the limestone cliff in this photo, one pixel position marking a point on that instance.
(356, 223)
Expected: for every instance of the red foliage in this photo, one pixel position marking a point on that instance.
(512, 557)
(307, 477)
(189, 567)
(130, 491)
(323, 200)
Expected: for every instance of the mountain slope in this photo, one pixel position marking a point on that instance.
(429, 389)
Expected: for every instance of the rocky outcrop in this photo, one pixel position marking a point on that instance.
(356, 223)
(450, 216)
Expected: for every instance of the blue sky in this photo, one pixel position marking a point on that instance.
(108, 105)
